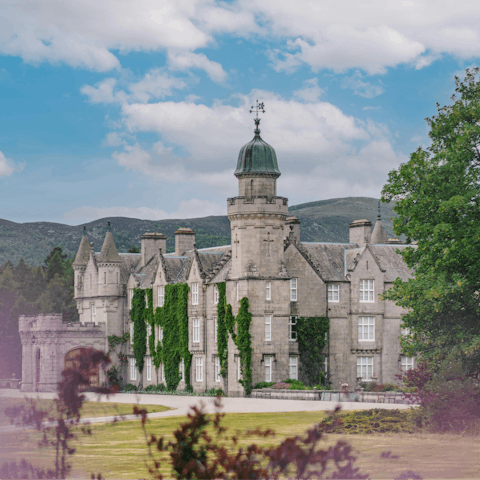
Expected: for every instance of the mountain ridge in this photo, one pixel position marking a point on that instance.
(321, 221)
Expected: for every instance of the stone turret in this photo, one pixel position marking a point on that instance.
(257, 216)
(378, 234)
(80, 263)
(360, 232)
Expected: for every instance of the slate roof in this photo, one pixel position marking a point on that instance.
(129, 262)
(391, 262)
(83, 253)
(109, 252)
(327, 259)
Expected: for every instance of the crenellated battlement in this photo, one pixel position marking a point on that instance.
(54, 322)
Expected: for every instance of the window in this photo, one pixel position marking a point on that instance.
(215, 330)
(334, 293)
(292, 328)
(325, 365)
(406, 363)
(162, 371)
(160, 334)
(133, 369)
(293, 368)
(216, 295)
(131, 297)
(94, 312)
(268, 369)
(268, 328)
(161, 295)
(196, 330)
(131, 332)
(182, 369)
(268, 291)
(149, 368)
(365, 368)
(149, 331)
(194, 293)
(239, 368)
(199, 369)
(366, 329)
(217, 370)
(293, 289)
(104, 278)
(366, 290)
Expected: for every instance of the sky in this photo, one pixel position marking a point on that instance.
(138, 108)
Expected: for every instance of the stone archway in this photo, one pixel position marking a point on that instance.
(37, 369)
(72, 361)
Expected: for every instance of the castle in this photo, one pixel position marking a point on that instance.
(283, 279)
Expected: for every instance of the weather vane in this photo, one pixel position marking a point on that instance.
(259, 107)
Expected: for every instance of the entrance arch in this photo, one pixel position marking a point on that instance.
(72, 362)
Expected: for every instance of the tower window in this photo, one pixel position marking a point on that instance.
(196, 330)
(293, 289)
(268, 291)
(94, 312)
(268, 328)
(104, 278)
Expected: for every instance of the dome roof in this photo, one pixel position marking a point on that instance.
(257, 156)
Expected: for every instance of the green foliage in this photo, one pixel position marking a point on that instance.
(243, 341)
(133, 250)
(137, 315)
(129, 388)
(215, 392)
(376, 420)
(114, 377)
(150, 320)
(438, 204)
(114, 340)
(55, 267)
(173, 319)
(264, 384)
(312, 338)
(222, 330)
(379, 387)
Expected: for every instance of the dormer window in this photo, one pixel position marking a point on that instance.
(367, 288)
(194, 293)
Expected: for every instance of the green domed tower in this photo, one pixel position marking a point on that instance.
(257, 157)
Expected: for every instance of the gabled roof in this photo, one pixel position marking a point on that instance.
(391, 262)
(327, 259)
(109, 252)
(129, 263)
(83, 253)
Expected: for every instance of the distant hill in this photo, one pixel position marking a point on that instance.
(322, 221)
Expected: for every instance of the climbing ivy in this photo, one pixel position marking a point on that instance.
(243, 341)
(149, 319)
(312, 338)
(137, 315)
(173, 319)
(114, 340)
(222, 329)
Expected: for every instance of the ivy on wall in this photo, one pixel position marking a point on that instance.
(137, 315)
(243, 341)
(312, 338)
(173, 319)
(222, 329)
(149, 319)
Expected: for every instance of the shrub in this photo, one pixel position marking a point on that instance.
(375, 421)
(281, 386)
(216, 392)
(449, 398)
(114, 377)
(129, 388)
(264, 385)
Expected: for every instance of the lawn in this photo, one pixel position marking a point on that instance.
(119, 451)
(89, 409)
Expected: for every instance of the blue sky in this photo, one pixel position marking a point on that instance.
(139, 108)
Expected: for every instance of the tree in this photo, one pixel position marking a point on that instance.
(53, 252)
(134, 250)
(437, 196)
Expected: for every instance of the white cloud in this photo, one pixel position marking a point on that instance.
(154, 85)
(371, 36)
(188, 60)
(310, 92)
(361, 88)
(8, 167)
(316, 143)
(192, 208)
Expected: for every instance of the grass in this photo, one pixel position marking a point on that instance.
(89, 409)
(119, 451)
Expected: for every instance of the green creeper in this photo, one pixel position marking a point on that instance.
(437, 195)
(137, 315)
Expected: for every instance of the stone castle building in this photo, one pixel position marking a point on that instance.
(282, 277)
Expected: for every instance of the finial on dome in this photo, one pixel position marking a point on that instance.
(85, 230)
(259, 107)
(378, 214)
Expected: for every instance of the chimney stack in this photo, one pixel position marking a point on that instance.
(151, 242)
(184, 240)
(292, 225)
